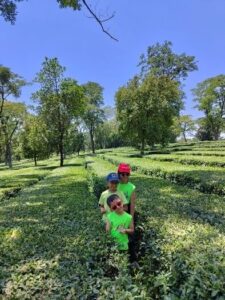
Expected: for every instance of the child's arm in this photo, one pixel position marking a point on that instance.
(102, 209)
(132, 204)
(101, 204)
(107, 226)
(130, 229)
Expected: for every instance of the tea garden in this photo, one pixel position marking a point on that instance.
(53, 245)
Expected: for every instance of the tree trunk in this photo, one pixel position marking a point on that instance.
(35, 160)
(142, 146)
(8, 154)
(184, 136)
(92, 141)
(61, 152)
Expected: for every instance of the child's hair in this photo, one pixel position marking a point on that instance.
(111, 198)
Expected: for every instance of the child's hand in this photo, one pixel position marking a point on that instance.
(122, 230)
(103, 210)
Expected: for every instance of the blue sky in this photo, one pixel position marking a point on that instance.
(196, 27)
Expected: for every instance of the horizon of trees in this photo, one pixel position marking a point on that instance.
(68, 117)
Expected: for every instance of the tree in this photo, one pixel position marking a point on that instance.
(145, 109)
(160, 60)
(75, 139)
(94, 114)
(210, 95)
(60, 100)
(8, 10)
(183, 125)
(12, 118)
(10, 85)
(35, 138)
(108, 136)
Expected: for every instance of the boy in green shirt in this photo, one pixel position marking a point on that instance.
(126, 186)
(119, 223)
(112, 182)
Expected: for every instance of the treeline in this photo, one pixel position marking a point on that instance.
(68, 117)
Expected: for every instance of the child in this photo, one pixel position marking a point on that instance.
(112, 182)
(127, 187)
(119, 223)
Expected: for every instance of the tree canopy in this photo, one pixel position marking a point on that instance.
(60, 100)
(145, 109)
(210, 97)
(160, 60)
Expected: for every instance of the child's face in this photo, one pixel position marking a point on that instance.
(117, 206)
(112, 185)
(124, 177)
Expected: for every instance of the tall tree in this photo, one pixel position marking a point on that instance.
(210, 96)
(10, 85)
(60, 100)
(160, 60)
(12, 118)
(94, 114)
(145, 109)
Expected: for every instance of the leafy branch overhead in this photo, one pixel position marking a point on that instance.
(8, 10)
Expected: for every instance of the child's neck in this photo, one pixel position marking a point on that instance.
(119, 212)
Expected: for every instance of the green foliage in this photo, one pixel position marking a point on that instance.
(23, 174)
(35, 138)
(60, 101)
(183, 125)
(181, 253)
(94, 114)
(207, 180)
(160, 60)
(8, 8)
(146, 109)
(53, 244)
(210, 95)
(10, 83)
(12, 119)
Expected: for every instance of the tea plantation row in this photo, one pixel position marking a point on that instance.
(181, 251)
(53, 245)
(207, 180)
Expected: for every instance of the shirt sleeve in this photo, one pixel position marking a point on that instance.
(133, 187)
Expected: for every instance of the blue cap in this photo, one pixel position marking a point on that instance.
(112, 177)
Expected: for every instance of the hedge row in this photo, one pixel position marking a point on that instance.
(23, 174)
(209, 180)
(203, 153)
(182, 247)
(53, 246)
(190, 160)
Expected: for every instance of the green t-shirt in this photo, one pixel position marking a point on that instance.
(127, 189)
(117, 222)
(103, 201)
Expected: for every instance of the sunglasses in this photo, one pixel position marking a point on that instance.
(118, 204)
(125, 174)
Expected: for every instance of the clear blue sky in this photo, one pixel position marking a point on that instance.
(196, 27)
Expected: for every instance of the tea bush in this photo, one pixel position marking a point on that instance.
(207, 180)
(182, 247)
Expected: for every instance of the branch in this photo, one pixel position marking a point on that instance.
(99, 21)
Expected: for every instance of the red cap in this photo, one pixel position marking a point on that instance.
(124, 168)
